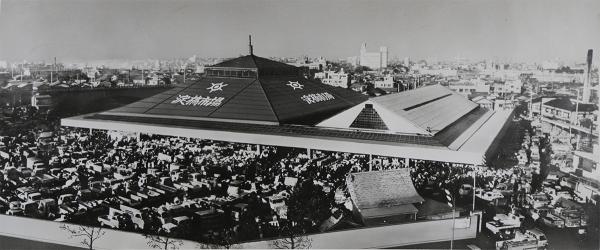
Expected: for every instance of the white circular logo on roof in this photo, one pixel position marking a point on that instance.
(216, 87)
(295, 85)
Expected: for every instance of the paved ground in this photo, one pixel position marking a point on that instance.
(459, 244)
(10, 243)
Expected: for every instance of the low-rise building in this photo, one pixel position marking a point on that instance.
(567, 110)
(469, 87)
(336, 79)
(484, 102)
(385, 83)
(383, 197)
(587, 173)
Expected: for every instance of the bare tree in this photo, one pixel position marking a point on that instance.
(292, 238)
(163, 242)
(88, 234)
(224, 240)
(202, 245)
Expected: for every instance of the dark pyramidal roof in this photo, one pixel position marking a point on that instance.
(248, 88)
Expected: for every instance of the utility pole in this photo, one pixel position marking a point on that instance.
(473, 189)
(531, 103)
(451, 203)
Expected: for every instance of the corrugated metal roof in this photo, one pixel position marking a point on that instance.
(400, 101)
(431, 108)
(441, 113)
(378, 189)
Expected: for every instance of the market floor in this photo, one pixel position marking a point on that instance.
(12, 243)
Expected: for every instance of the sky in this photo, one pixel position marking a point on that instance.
(534, 30)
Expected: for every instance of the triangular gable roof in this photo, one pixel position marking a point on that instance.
(394, 122)
(369, 118)
(276, 95)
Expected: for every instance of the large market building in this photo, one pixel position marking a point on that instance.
(255, 100)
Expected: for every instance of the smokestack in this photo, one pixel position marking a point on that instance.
(586, 77)
(589, 59)
(250, 45)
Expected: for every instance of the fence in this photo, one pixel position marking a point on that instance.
(370, 237)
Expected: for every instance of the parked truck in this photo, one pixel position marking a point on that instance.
(531, 239)
(135, 214)
(112, 219)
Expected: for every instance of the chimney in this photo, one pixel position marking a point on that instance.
(250, 48)
(586, 78)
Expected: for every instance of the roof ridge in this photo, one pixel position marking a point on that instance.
(260, 83)
(231, 98)
(401, 114)
(380, 171)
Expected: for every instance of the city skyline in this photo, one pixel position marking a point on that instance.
(437, 30)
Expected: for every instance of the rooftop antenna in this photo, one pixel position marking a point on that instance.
(250, 47)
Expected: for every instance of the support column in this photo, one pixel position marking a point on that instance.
(258, 149)
(370, 162)
(474, 185)
(308, 152)
(407, 162)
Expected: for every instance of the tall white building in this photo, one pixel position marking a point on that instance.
(373, 60)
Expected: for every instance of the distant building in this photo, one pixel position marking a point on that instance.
(385, 83)
(513, 86)
(358, 87)
(552, 77)
(353, 60)
(587, 173)
(467, 88)
(484, 102)
(316, 64)
(41, 101)
(503, 104)
(566, 110)
(549, 65)
(439, 72)
(383, 197)
(339, 79)
(199, 69)
(373, 60)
